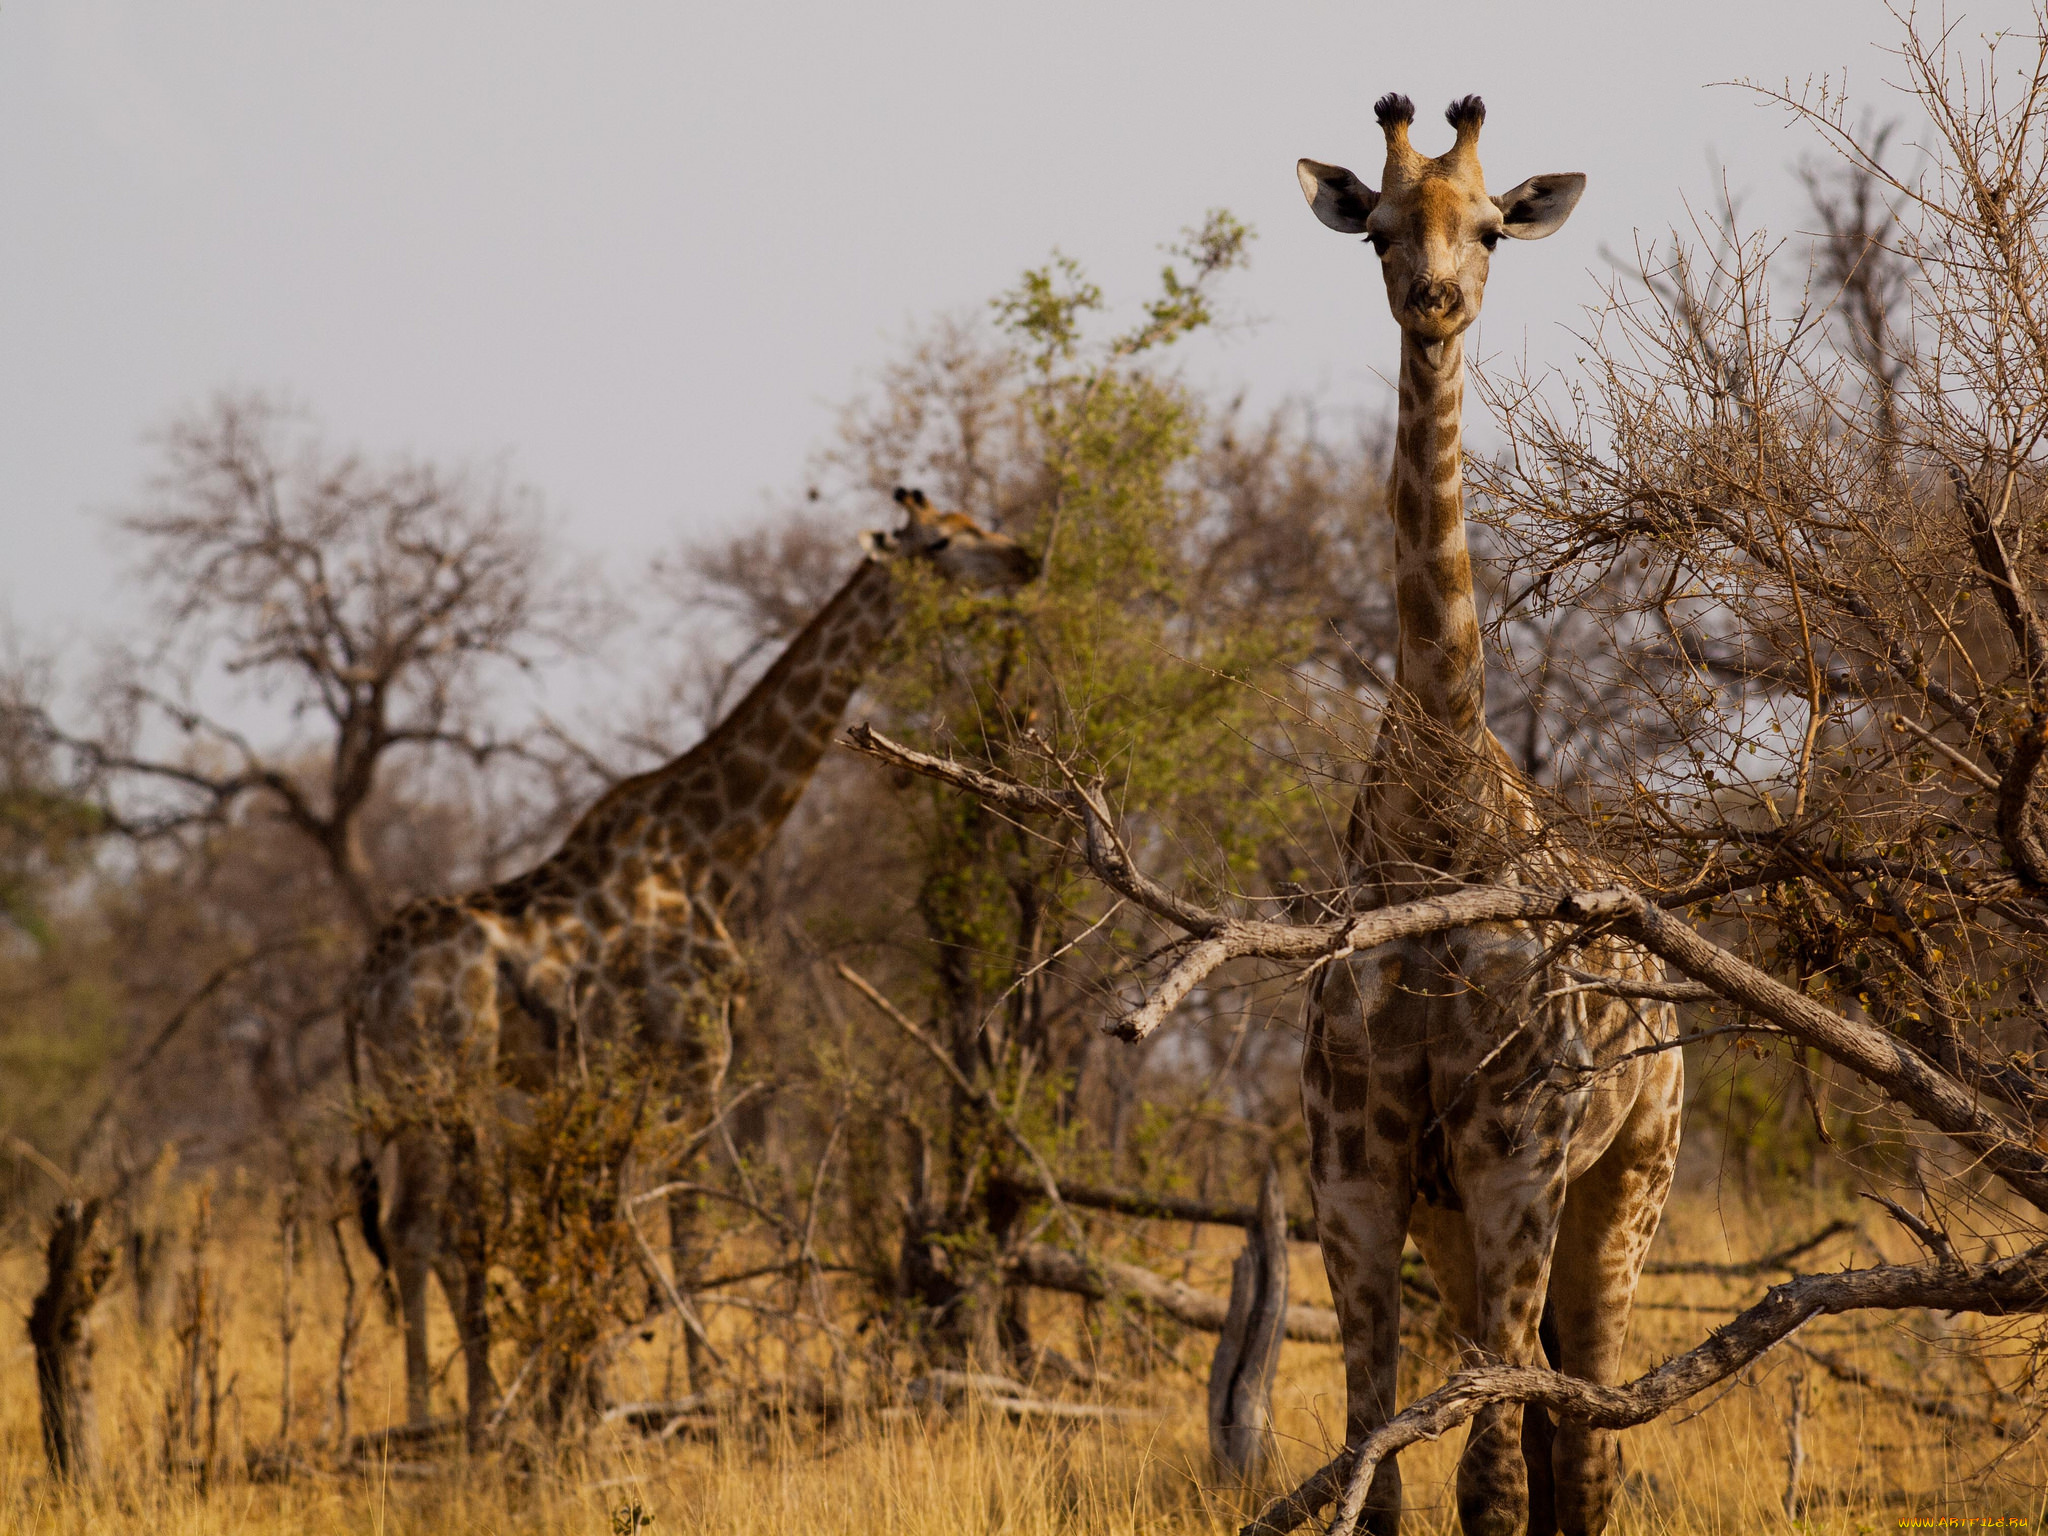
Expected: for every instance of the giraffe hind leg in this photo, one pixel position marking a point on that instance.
(462, 1286)
(1539, 1439)
(1446, 1243)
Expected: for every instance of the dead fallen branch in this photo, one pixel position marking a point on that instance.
(1779, 1259)
(1020, 1408)
(651, 1418)
(378, 1443)
(1927, 1404)
(1899, 1070)
(2007, 1287)
(1007, 1395)
(1054, 1269)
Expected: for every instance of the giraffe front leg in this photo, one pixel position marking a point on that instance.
(1361, 1223)
(413, 1230)
(1513, 1205)
(1610, 1215)
(1364, 1084)
(1446, 1243)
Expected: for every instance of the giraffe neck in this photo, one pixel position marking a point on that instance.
(1440, 666)
(699, 820)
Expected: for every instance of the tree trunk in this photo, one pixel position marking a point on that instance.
(59, 1327)
(1247, 1354)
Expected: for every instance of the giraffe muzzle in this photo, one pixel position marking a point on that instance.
(1437, 299)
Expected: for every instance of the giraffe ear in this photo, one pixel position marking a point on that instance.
(1339, 198)
(1539, 206)
(876, 545)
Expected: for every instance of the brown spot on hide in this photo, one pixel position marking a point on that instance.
(1352, 1158)
(1420, 620)
(1318, 1125)
(1451, 570)
(1350, 1084)
(1316, 1075)
(1433, 1180)
(741, 778)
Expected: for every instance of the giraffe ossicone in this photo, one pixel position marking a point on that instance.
(621, 932)
(1444, 1081)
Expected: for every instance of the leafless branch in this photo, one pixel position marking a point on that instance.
(2004, 1288)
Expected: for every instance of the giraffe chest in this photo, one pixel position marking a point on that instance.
(1472, 1038)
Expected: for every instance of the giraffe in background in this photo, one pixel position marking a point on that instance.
(622, 929)
(1429, 1078)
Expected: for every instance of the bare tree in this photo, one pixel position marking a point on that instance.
(361, 611)
(311, 723)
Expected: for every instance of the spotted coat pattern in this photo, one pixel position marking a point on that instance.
(621, 932)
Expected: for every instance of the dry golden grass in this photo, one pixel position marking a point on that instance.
(1721, 1470)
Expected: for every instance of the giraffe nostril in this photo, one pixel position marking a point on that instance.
(1436, 297)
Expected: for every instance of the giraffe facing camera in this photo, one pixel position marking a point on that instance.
(1462, 1089)
(1432, 223)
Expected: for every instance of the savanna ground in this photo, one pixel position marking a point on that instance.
(1869, 1464)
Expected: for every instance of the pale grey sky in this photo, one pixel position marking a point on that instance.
(644, 250)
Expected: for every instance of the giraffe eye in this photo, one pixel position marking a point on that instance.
(939, 543)
(1490, 238)
(1378, 244)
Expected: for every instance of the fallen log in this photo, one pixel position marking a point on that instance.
(1045, 1408)
(1128, 1202)
(1055, 1269)
(651, 1417)
(382, 1442)
(944, 1388)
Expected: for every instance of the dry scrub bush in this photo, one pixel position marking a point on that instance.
(1812, 543)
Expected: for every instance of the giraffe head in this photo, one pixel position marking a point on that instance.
(955, 546)
(1431, 222)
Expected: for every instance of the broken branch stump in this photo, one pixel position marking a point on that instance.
(1248, 1353)
(60, 1329)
